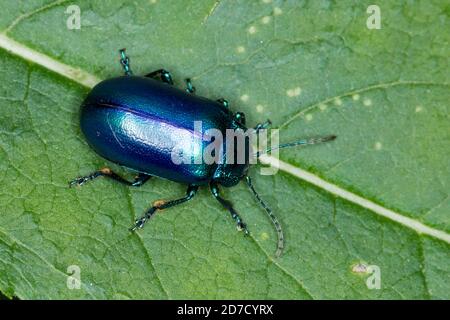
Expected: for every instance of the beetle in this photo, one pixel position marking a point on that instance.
(136, 121)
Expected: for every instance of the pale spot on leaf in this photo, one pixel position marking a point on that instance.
(264, 236)
(294, 92)
(245, 97)
(359, 268)
(240, 49)
(378, 146)
(277, 11)
(266, 20)
(367, 102)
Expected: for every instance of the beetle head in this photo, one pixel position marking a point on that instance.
(229, 175)
(236, 154)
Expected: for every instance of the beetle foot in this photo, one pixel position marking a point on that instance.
(139, 223)
(189, 87)
(82, 180)
(78, 181)
(242, 227)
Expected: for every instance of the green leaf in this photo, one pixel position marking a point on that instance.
(313, 68)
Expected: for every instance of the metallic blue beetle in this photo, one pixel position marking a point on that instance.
(137, 121)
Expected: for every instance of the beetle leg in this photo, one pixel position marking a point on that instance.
(162, 74)
(227, 205)
(163, 204)
(263, 125)
(223, 102)
(140, 179)
(240, 117)
(189, 87)
(125, 62)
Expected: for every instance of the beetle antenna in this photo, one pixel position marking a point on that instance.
(303, 142)
(277, 225)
